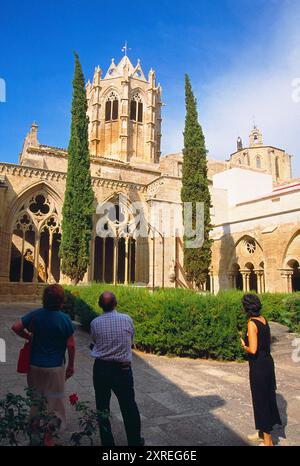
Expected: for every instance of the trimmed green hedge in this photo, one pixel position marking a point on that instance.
(184, 323)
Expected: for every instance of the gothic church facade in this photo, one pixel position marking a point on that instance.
(256, 202)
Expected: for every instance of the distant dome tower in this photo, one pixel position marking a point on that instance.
(255, 138)
(124, 109)
(266, 159)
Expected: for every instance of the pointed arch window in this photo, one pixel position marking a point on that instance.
(246, 158)
(258, 162)
(112, 107)
(136, 108)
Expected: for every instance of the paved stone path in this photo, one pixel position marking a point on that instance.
(182, 401)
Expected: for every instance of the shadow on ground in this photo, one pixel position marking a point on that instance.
(182, 402)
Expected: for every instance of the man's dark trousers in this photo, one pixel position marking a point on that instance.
(116, 377)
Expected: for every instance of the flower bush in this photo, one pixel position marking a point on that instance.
(15, 425)
(17, 429)
(185, 323)
(88, 420)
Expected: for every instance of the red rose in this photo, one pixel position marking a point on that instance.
(73, 399)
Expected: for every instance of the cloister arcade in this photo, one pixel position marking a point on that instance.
(246, 270)
(36, 233)
(120, 255)
(290, 270)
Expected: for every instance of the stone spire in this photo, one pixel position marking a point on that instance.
(32, 136)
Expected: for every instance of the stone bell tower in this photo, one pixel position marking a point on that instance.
(124, 109)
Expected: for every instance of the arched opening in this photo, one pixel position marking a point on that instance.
(207, 283)
(252, 277)
(28, 266)
(35, 242)
(258, 162)
(109, 260)
(16, 256)
(133, 107)
(294, 265)
(98, 260)
(291, 261)
(55, 257)
(132, 259)
(115, 257)
(237, 277)
(110, 252)
(121, 260)
(136, 108)
(22, 249)
(112, 107)
(246, 159)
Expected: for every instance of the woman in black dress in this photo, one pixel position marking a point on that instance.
(262, 372)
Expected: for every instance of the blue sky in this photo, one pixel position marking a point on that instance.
(242, 56)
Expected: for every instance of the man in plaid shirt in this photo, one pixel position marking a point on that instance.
(112, 334)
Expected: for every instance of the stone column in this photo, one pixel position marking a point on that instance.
(130, 243)
(126, 260)
(163, 262)
(22, 257)
(49, 272)
(246, 280)
(36, 258)
(287, 274)
(289, 280)
(115, 261)
(153, 261)
(212, 282)
(260, 281)
(176, 240)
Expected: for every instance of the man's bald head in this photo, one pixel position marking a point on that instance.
(107, 301)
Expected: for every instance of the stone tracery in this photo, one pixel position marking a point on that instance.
(35, 241)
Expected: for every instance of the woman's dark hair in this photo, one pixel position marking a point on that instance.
(252, 305)
(53, 297)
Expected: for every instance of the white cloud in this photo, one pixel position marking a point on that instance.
(254, 87)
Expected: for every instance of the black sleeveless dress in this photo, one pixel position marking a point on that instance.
(263, 380)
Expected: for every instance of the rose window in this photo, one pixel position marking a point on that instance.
(251, 246)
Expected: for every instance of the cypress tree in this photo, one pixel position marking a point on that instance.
(195, 189)
(77, 214)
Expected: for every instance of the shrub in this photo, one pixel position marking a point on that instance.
(291, 314)
(184, 323)
(69, 304)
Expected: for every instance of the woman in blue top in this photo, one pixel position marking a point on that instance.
(51, 332)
